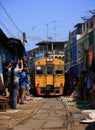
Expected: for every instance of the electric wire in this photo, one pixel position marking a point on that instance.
(3, 21)
(10, 17)
(5, 27)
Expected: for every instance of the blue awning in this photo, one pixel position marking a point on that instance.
(27, 53)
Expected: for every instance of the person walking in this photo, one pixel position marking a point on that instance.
(13, 82)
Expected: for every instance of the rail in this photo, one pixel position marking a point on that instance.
(69, 115)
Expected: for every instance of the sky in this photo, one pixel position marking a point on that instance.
(42, 19)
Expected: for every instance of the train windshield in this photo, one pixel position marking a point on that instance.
(59, 69)
(40, 70)
(49, 70)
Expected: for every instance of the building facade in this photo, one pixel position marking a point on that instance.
(82, 47)
(10, 50)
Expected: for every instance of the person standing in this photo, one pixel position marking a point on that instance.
(22, 86)
(13, 80)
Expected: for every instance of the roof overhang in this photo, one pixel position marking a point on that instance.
(3, 37)
(16, 44)
(45, 43)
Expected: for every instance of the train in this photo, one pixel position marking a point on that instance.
(49, 76)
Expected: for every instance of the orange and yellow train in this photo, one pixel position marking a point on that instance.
(49, 76)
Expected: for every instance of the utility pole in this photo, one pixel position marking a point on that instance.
(24, 38)
(54, 29)
(47, 30)
(33, 29)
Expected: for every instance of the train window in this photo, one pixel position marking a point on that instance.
(40, 70)
(49, 70)
(59, 70)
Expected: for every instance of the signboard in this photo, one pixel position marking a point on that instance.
(74, 51)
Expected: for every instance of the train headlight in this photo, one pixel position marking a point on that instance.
(49, 59)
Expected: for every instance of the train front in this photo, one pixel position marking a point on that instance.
(49, 76)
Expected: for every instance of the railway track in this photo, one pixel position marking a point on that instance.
(70, 118)
(52, 115)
